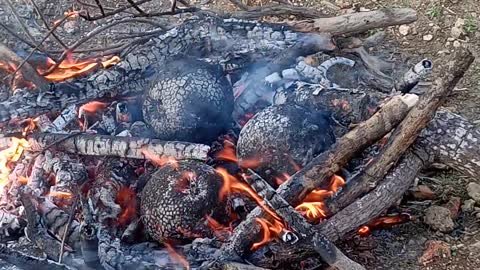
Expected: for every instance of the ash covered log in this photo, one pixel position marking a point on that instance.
(104, 145)
(406, 133)
(190, 101)
(455, 142)
(358, 22)
(219, 37)
(284, 138)
(177, 198)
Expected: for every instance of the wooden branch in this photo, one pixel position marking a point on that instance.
(28, 73)
(406, 133)
(319, 171)
(104, 145)
(358, 22)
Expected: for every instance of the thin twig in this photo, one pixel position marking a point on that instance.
(91, 5)
(99, 5)
(70, 219)
(24, 27)
(47, 25)
(113, 12)
(166, 13)
(92, 34)
(135, 6)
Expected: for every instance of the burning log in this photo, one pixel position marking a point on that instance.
(10, 59)
(358, 22)
(406, 132)
(104, 145)
(326, 164)
(133, 74)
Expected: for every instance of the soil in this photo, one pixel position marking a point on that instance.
(401, 246)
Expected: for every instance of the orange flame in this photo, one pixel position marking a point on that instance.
(70, 67)
(270, 231)
(126, 198)
(176, 256)
(159, 160)
(313, 206)
(60, 194)
(68, 14)
(10, 154)
(30, 125)
(22, 180)
(384, 222)
(228, 153)
(92, 107)
(364, 231)
(281, 179)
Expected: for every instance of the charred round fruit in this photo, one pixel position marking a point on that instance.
(176, 199)
(190, 101)
(283, 138)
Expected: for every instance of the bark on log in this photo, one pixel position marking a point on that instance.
(277, 10)
(325, 165)
(104, 145)
(358, 22)
(406, 133)
(455, 142)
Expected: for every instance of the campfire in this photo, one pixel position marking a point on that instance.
(215, 142)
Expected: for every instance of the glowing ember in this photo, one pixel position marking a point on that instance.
(159, 160)
(184, 182)
(364, 231)
(61, 195)
(11, 154)
(92, 107)
(313, 206)
(176, 256)
(68, 14)
(22, 180)
(270, 231)
(126, 198)
(18, 81)
(70, 67)
(30, 124)
(228, 153)
(281, 179)
(384, 222)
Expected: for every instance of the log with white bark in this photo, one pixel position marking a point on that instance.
(104, 145)
(358, 22)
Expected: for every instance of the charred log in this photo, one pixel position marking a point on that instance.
(103, 145)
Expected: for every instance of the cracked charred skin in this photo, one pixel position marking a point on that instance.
(176, 199)
(190, 101)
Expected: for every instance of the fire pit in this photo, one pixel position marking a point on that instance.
(215, 142)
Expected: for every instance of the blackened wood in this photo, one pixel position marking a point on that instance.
(406, 133)
(24, 261)
(358, 22)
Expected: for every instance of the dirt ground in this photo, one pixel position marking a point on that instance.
(430, 37)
